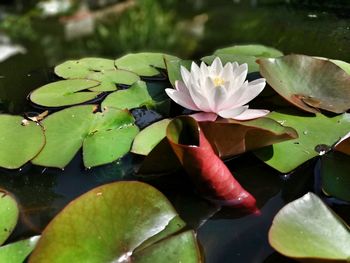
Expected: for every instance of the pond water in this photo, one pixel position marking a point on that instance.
(227, 236)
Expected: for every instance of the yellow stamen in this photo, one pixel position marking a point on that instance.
(218, 81)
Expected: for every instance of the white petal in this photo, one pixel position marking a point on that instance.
(233, 97)
(240, 74)
(195, 71)
(220, 95)
(199, 96)
(226, 73)
(204, 69)
(180, 86)
(231, 113)
(185, 74)
(182, 99)
(216, 67)
(251, 91)
(251, 114)
(204, 116)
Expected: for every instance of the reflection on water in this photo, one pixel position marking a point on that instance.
(186, 28)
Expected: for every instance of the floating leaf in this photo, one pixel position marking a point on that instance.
(134, 97)
(316, 136)
(244, 54)
(110, 78)
(105, 136)
(308, 83)
(342, 64)
(17, 252)
(335, 173)
(64, 93)
(230, 137)
(81, 68)
(307, 230)
(149, 137)
(173, 68)
(143, 64)
(9, 215)
(123, 216)
(20, 141)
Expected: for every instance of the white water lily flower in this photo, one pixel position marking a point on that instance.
(216, 90)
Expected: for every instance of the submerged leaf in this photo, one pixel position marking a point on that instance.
(105, 136)
(143, 64)
(307, 230)
(314, 131)
(20, 141)
(124, 217)
(9, 215)
(64, 93)
(308, 83)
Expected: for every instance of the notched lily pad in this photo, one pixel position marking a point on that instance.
(313, 131)
(143, 64)
(308, 83)
(81, 68)
(20, 141)
(125, 218)
(244, 54)
(65, 93)
(9, 215)
(307, 230)
(105, 136)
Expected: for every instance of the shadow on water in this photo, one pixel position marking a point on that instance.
(298, 27)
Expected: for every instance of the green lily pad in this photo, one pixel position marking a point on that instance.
(306, 229)
(143, 64)
(20, 141)
(17, 252)
(9, 215)
(110, 78)
(308, 83)
(244, 54)
(105, 136)
(122, 217)
(64, 93)
(335, 174)
(149, 137)
(173, 68)
(312, 130)
(73, 69)
(135, 96)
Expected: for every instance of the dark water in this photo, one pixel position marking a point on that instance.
(228, 236)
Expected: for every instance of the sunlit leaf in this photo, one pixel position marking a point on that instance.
(20, 141)
(110, 78)
(308, 83)
(64, 93)
(9, 215)
(143, 64)
(18, 251)
(306, 229)
(122, 218)
(317, 134)
(149, 137)
(105, 136)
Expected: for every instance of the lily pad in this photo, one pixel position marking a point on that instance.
(149, 137)
(306, 229)
(64, 93)
(122, 217)
(342, 64)
(81, 68)
(244, 54)
(17, 252)
(308, 83)
(335, 173)
(105, 136)
(9, 215)
(135, 96)
(20, 141)
(143, 64)
(316, 135)
(173, 68)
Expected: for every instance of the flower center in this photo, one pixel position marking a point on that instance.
(218, 81)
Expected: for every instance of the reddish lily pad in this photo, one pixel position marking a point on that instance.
(20, 141)
(9, 215)
(307, 230)
(105, 136)
(123, 216)
(308, 83)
